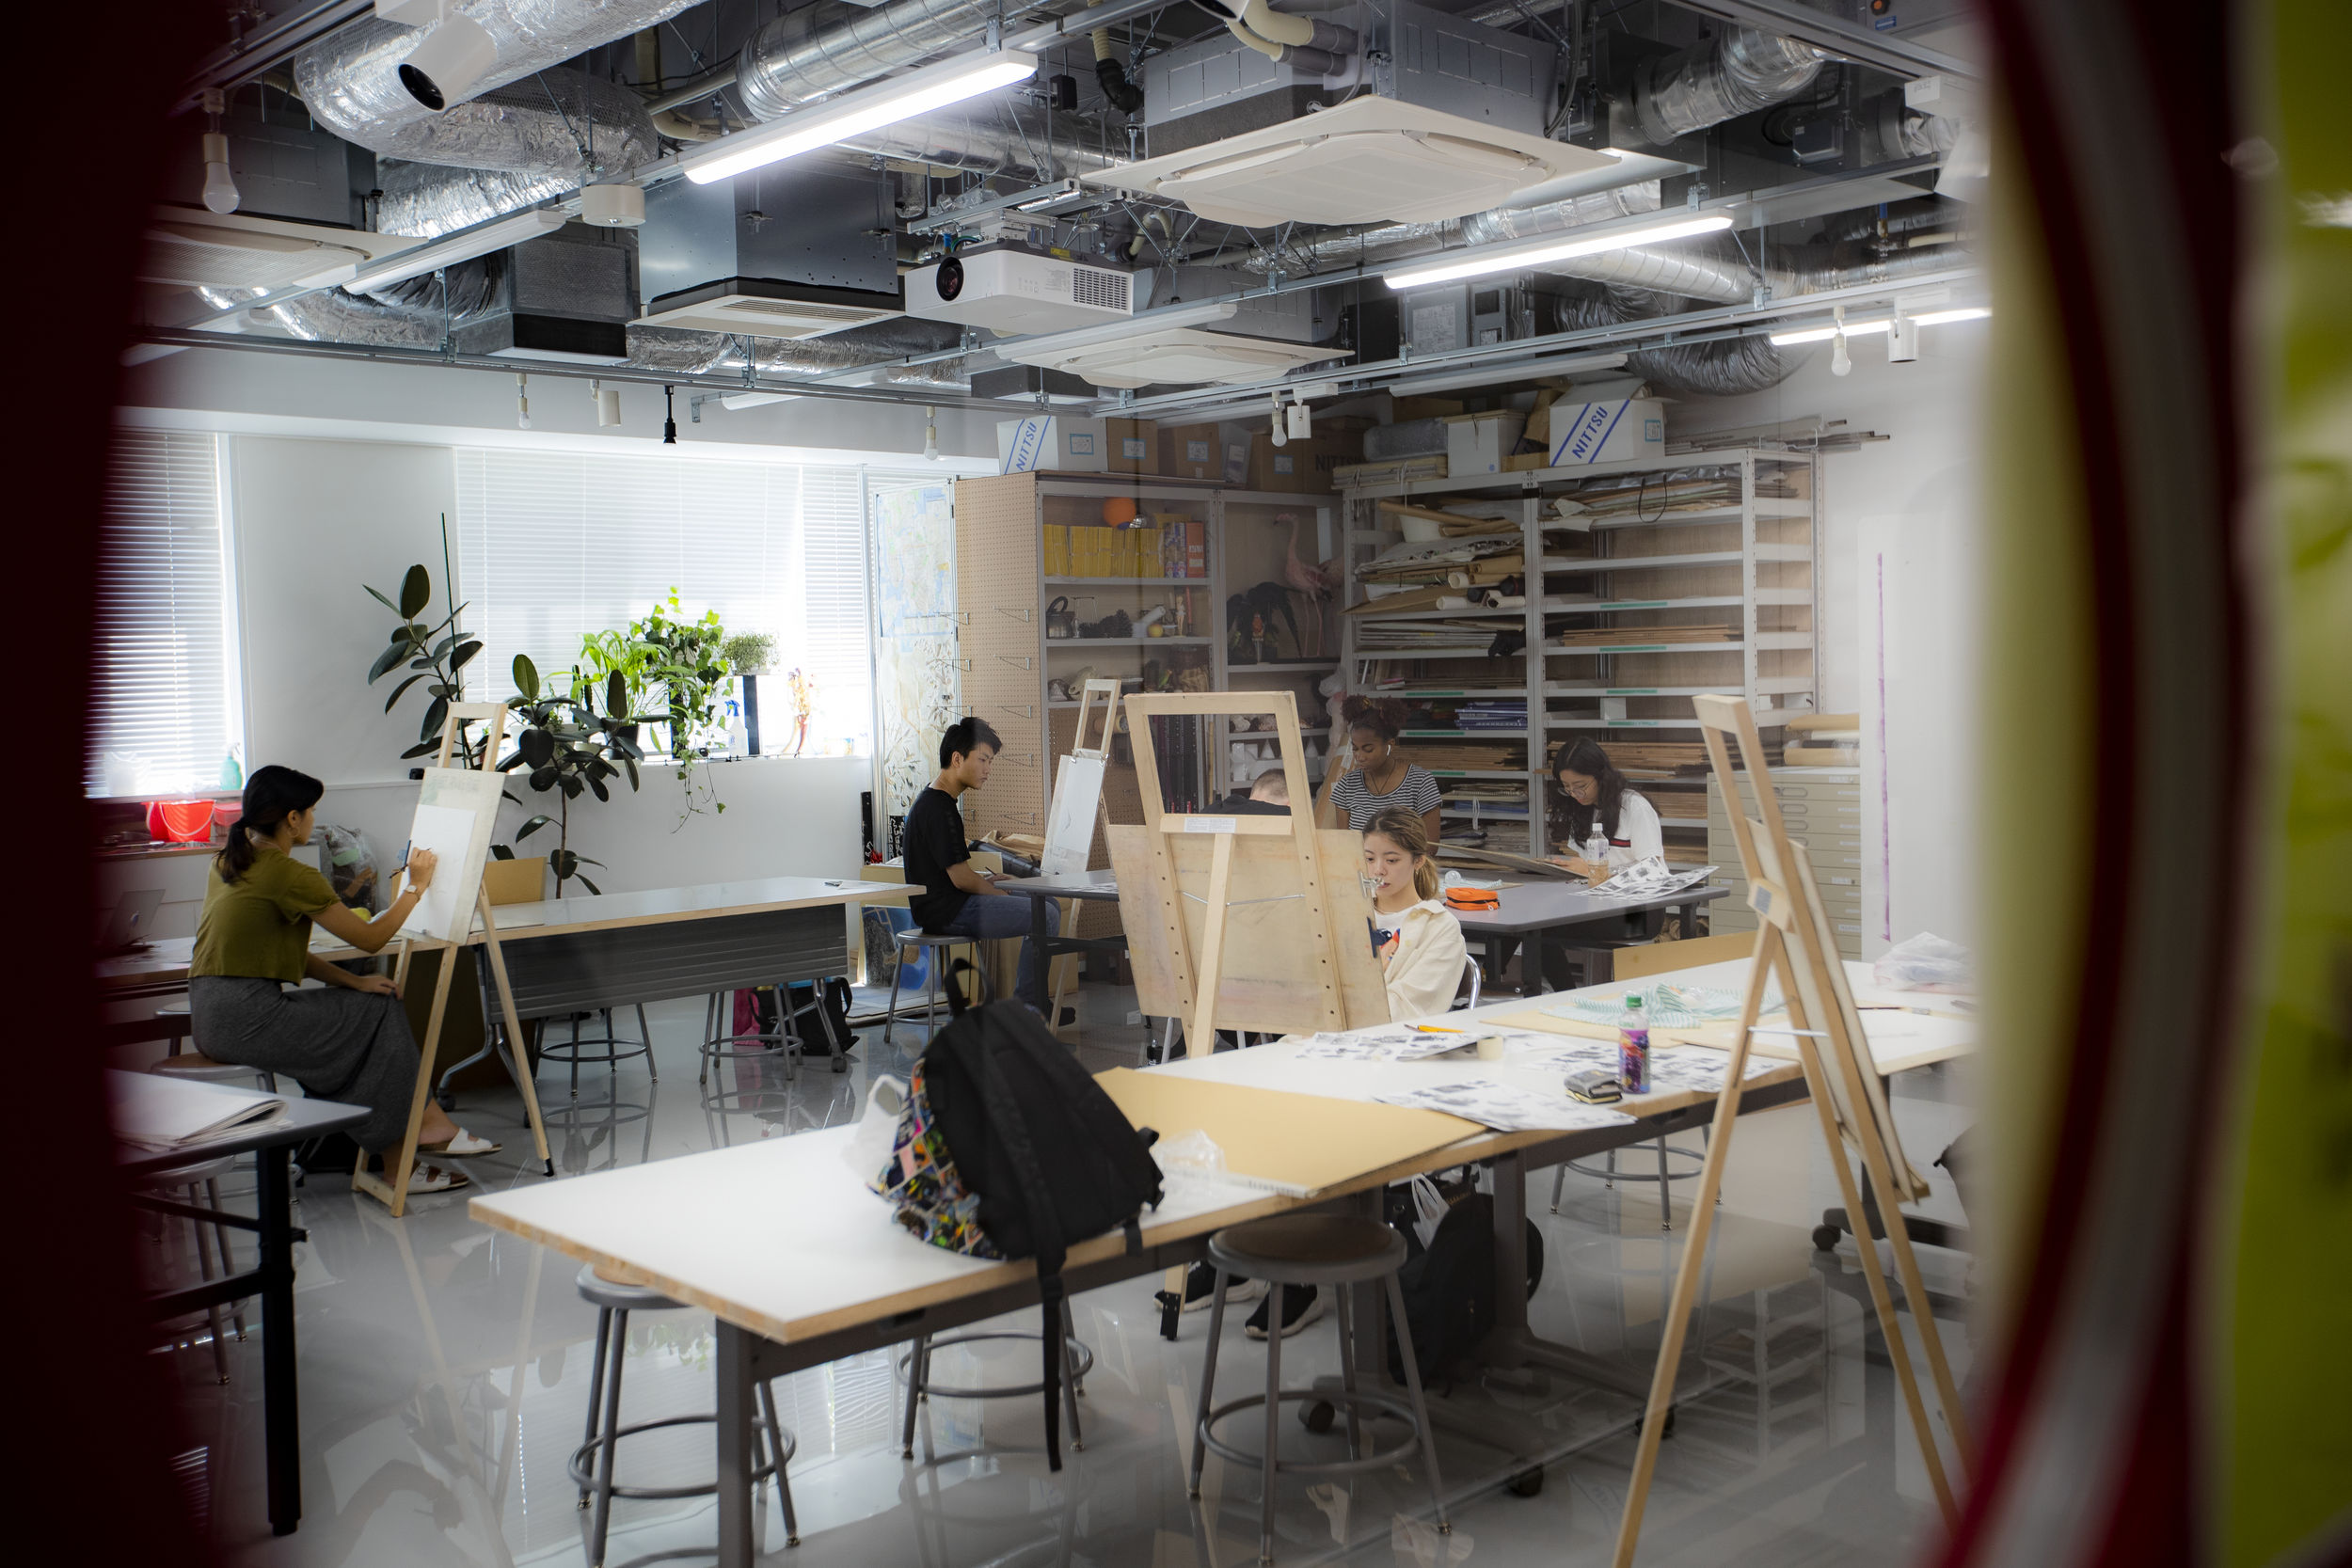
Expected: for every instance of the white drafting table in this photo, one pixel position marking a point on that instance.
(830, 1275)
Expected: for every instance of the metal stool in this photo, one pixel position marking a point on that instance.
(1612, 1176)
(201, 1184)
(934, 995)
(569, 1050)
(915, 1364)
(1324, 1250)
(614, 1301)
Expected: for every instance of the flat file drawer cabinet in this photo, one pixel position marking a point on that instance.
(1822, 808)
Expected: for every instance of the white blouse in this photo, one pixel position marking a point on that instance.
(1639, 836)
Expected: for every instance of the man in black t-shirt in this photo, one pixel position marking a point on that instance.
(955, 899)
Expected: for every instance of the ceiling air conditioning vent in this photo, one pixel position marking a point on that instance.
(191, 247)
(769, 310)
(1012, 290)
(1173, 356)
(1371, 160)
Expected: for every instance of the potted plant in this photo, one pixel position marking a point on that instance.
(606, 654)
(565, 745)
(437, 655)
(747, 653)
(684, 656)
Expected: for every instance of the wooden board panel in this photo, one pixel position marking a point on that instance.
(1271, 952)
(1293, 1143)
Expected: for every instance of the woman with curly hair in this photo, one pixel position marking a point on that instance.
(1378, 777)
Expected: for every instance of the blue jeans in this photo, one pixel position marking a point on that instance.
(988, 916)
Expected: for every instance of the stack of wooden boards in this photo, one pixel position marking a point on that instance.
(1823, 740)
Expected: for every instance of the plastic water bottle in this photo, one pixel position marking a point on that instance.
(1596, 850)
(1633, 1047)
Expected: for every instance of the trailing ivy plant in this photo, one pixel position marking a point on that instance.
(686, 664)
(435, 655)
(569, 747)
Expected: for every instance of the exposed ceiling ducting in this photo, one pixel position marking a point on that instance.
(1740, 70)
(559, 120)
(806, 54)
(350, 80)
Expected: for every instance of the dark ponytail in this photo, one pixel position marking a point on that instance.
(271, 795)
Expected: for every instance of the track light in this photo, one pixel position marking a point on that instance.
(220, 187)
(522, 400)
(1864, 328)
(608, 402)
(1526, 257)
(931, 434)
(669, 419)
(887, 103)
(1279, 435)
(455, 54)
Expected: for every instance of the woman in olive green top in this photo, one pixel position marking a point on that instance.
(350, 1041)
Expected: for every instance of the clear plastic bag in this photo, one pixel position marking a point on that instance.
(348, 859)
(869, 1147)
(1925, 962)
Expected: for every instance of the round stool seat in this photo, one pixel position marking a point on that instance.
(1308, 1249)
(933, 938)
(196, 1067)
(620, 1296)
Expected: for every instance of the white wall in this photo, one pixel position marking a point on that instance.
(1900, 618)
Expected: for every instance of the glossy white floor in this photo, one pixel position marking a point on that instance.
(444, 1376)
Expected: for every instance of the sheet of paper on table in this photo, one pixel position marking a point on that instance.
(1649, 878)
(1506, 1107)
(1388, 1045)
(1662, 1007)
(1697, 1070)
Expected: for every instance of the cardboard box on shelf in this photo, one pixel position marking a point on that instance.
(1206, 451)
(1061, 443)
(1613, 432)
(1303, 468)
(1410, 409)
(1131, 445)
(1478, 443)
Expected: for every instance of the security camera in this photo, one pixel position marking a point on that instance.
(454, 54)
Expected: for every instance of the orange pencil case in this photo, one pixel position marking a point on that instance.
(1472, 899)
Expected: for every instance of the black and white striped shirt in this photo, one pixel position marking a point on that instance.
(1416, 792)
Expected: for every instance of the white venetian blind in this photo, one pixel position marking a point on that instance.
(164, 702)
(553, 546)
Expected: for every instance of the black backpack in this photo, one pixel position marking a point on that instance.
(1051, 1158)
(1449, 1286)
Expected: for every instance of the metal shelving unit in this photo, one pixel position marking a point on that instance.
(1636, 572)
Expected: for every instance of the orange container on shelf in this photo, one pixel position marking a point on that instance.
(179, 821)
(1118, 510)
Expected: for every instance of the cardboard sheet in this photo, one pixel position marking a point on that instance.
(1296, 1144)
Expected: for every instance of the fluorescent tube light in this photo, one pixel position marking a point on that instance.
(918, 92)
(1864, 328)
(736, 400)
(461, 247)
(1525, 257)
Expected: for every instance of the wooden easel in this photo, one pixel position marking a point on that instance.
(393, 1194)
(1308, 965)
(1088, 779)
(1794, 944)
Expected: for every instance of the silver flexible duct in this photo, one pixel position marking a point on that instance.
(350, 80)
(1739, 72)
(412, 314)
(664, 348)
(1724, 369)
(426, 200)
(1661, 272)
(1005, 137)
(820, 49)
(557, 121)
(1809, 269)
(1392, 241)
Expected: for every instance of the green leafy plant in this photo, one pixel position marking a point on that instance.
(606, 654)
(685, 660)
(747, 653)
(567, 746)
(434, 656)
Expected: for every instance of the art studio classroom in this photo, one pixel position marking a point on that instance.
(1372, 783)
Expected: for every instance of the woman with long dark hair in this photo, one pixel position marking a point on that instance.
(1378, 777)
(1589, 786)
(349, 1041)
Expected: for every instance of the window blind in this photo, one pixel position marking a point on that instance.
(164, 698)
(553, 546)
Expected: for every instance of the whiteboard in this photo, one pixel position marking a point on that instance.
(457, 812)
(1070, 831)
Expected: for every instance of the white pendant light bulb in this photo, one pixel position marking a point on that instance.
(1279, 436)
(221, 186)
(931, 434)
(522, 400)
(1840, 361)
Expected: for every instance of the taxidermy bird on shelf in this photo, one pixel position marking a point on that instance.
(1250, 621)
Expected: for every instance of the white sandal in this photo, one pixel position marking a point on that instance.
(465, 1146)
(433, 1179)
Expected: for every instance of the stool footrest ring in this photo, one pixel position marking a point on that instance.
(1084, 1364)
(1368, 1405)
(579, 1468)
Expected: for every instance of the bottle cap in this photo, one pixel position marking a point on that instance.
(1632, 1001)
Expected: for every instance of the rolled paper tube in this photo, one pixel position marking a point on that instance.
(1457, 579)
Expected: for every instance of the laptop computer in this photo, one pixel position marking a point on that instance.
(133, 917)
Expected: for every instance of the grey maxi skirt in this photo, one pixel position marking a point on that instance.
(347, 1045)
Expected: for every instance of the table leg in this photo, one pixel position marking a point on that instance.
(1538, 953)
(1689, 914)
(280, 1408)
(736, 1458)
(1512, 1343)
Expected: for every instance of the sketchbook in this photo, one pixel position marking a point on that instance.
(169, 1114)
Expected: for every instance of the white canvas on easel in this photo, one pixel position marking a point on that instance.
(457, 815)
(1078, 786)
